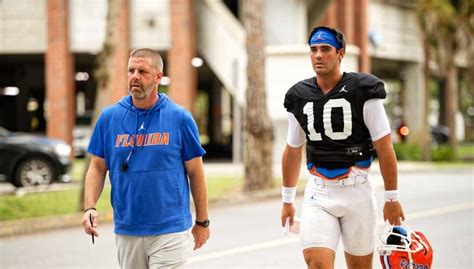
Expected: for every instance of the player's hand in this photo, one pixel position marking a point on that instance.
(86, 223)
(201, 235)
(288, 210)
(393, 212)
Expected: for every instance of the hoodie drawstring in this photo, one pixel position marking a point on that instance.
(128, 105)
(124, 165)
(135, 136)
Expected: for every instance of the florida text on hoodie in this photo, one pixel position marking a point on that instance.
(150, 196)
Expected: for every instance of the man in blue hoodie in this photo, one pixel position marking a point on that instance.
(150, 147)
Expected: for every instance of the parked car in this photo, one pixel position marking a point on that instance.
(439, 134)
(30, 160)
(81, 136)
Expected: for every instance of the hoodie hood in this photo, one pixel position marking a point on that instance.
(126, 102)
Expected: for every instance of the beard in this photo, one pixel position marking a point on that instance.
(139, 92)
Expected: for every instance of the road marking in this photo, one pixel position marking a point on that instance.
(288, 240)
(239, 250)
(439, 211)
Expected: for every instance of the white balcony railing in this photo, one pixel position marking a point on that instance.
(221, 42)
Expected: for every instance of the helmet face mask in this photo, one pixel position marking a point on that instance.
(398, 238)
(404, 248)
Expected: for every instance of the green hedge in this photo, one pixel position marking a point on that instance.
(407, 152)
(439, 153)
(443, 153)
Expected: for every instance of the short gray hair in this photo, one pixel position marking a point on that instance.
(156, 60)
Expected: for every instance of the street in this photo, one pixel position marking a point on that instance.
(437, 202)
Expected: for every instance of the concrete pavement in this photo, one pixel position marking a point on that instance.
(17, 227)
(249, 235)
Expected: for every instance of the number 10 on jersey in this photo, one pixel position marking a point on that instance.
(308, 110)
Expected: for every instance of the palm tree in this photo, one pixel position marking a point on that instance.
(258, 126)
(444, 28)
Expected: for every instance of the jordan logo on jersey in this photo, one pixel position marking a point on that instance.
(142, 127)
(343, 89)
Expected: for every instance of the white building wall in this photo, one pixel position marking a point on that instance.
(150, 24)
(285, 22)
(287, 60)
(22, 26)
(221, 41)
(392, 28)
(395, 33)
(285, 66)
(87, 22)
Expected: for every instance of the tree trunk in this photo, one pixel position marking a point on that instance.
(452, 104)
(258, 126)
(441, 84)
(425, 141)
(106, 67)
(443, 23)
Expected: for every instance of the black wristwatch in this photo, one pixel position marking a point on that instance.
(204, 223)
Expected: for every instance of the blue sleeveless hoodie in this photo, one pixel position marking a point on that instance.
(152, 196)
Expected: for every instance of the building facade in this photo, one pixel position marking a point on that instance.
(41, 39)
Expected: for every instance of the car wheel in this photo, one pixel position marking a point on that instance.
(33, 172)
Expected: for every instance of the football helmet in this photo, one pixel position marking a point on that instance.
(403, 248)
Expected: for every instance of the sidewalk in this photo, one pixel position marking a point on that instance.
(237, 169)
(18, 227)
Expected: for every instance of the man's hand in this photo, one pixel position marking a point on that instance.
(288, 210)
(86, 224)
(393, 212)
(201, 235)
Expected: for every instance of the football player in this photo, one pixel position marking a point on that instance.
(341, 118)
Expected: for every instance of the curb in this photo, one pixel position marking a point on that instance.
(40, 224)
(27, 226)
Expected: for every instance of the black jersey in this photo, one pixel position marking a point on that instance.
(334, 123)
